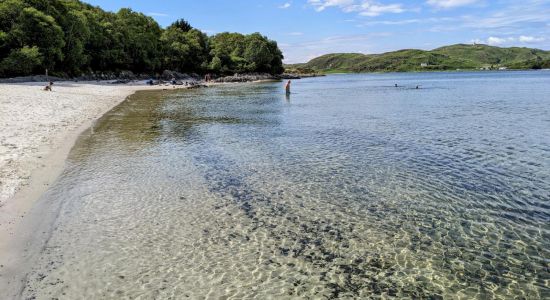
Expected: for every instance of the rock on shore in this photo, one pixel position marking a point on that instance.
(122, 77)
(247, 77)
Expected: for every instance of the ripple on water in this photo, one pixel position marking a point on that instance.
(233, 192)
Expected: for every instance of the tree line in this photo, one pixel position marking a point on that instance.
(70, 38)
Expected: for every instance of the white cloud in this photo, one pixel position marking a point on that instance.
(407, 21)
(373, 10)
(520, 15)
(286, 5)
(157, 14)
(362, 7)
(501, 23)
(495, 41)
(530, 17)
(499, 41)
(530, 39)
(305, 50)
(450, 3)
(321, 5)
(296, 33)
(398, 22)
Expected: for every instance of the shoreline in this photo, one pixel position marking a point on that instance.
(38, 167)
(50, 117)
(25, 222)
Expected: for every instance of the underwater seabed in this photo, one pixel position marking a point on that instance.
(347, 188)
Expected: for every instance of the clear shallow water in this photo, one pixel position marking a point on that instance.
(349, 188)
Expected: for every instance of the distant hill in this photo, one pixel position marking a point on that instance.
(460, 56)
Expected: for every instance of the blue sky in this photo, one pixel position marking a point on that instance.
(308, 28)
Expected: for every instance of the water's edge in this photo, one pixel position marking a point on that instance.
(22, 245)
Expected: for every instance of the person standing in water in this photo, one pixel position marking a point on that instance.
(287, 87)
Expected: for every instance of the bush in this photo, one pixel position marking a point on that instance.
(21, 61)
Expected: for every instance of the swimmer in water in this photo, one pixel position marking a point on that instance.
(287, 87)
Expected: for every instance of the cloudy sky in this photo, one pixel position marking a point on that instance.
(308, 28)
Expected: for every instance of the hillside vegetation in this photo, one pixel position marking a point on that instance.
(461, 56)
(70, 37)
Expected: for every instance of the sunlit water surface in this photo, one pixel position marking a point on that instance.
(349, 188)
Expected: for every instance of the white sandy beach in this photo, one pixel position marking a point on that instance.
(38, 128)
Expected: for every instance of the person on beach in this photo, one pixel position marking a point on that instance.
(48, 87)
(287, 87)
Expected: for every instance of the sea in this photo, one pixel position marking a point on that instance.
(354, 186)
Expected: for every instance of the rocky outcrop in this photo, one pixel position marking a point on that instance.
(247, 77)
(119, 77)
(290, 76)
(37, 78)
(122, 76)
(169, 75)
(299, 75)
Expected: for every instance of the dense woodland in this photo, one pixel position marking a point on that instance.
(71, 38)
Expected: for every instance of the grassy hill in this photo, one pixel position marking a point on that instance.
(461, 56)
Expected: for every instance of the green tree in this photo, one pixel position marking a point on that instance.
(70, 37)
(34, 28)
(239, 53)
(185, 51)
(277, 58)
(9, 13)
(21, 61)
(76, 33)
(139, 36)
(103, 46)
(228, 48)
(215, 65)
(181, 24)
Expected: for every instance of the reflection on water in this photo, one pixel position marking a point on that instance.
(351, 189)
